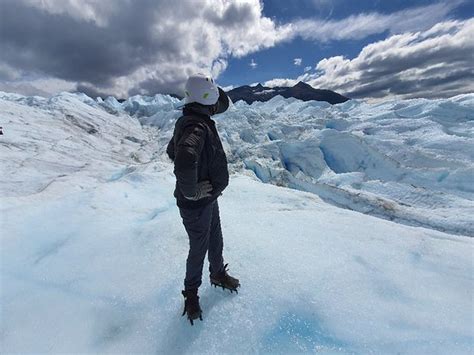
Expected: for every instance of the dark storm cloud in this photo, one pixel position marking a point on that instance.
(122, 46)
(77, 50)
(151, 85)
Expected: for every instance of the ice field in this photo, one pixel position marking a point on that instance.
(349, 227)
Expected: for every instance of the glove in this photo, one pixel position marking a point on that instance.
(203, 190)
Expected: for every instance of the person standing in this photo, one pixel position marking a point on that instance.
(200, 167)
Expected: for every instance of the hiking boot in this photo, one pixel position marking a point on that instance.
(224, 280)
(191, 305)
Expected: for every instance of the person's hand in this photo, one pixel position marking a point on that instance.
(203, 190)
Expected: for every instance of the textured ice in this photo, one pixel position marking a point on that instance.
(93, 249)
(410, 161)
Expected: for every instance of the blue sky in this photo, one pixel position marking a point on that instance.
(278, 61)
(362, 49)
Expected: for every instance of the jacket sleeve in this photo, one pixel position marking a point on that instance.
(188, 151)
(170, 149)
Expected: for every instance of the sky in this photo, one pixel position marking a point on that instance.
(371, 49)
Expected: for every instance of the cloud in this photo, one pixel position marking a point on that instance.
(87, 10)
(433, 63)
(123, 47)
(280, 82)
(227, 88)
(8, 73)
(308, 68)
(297, 61)
(41, 87)
(365, 24)
(253, 64)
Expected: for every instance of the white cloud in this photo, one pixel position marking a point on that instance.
(297, 61)
(366, 24)
(308, 68)
(253, 64)
(227, 88)
(280, 82)
(432, 63)
(218, 66)
(124, 47)
(242, 28)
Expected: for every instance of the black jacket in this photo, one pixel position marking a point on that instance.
(198, 155)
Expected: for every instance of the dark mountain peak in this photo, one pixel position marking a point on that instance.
(301, 91)
(302, 85)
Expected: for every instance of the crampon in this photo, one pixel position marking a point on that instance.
(224, 280)
(191, 305)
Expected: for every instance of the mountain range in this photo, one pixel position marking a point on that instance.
(301, 90)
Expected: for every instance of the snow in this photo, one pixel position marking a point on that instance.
(93, 248)
(263, 92)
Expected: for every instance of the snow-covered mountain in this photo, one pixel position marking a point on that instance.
(93, 248)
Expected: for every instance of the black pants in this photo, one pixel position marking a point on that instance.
(203, 226)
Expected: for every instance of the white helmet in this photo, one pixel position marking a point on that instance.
(202, 89)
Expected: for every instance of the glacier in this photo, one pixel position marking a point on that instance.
(348, 226)
(410, 161)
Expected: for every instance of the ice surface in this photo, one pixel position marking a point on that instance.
(93, 249)
(411, 161)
